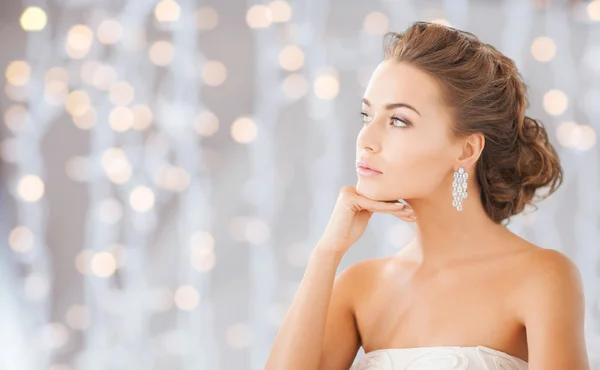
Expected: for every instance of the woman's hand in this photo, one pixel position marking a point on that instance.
(351, 215)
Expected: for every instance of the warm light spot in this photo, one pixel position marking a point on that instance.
(376, 23)
(259, 16)
(555, 102)
(244, 130)
(33, 18)
(161, 53)
(30, 188)
(543, 49)
(141, 199)
(186, 297)
(18, 73)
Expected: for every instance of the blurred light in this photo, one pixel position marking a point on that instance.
(239, 336)
(281, 11)
(142, 117)
(55, 92)
(77, 103)
(30, 188)
(53, 336)
(104, 77)
(121, 118)
(119, 253)
(141, 199)
(116, 165)
(88, 68)
(161, 53)
(83, 261)
(244, 130)
(555, 102)
(186, 297)
(167, 11)
(291, 58)
(109, 31)
(295, 86)
(16, 93)
(56, 74)
(259, 16)
(33, 18)
(162, 299)
(214, 73)
(103, 264)
(376, 23)
(16, 117)
(87, 120)
(257, 231)
(18, 73)
(78, 317)
(36, 287)
(21, 239)
(79, 41)
(237, 228)
(173, 178)
(203, 261)
(110, 211)
(326, 86)
(573, 135)
(77, 168)
(543, 49)
(206, 124)
(593, 10)
(442, 21)
(207, 18)
(202, 240)
(121, 93)
(158, 143)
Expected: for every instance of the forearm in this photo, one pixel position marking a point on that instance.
(300, 339)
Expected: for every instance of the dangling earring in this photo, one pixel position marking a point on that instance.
(459, 188)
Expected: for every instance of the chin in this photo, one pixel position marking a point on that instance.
(373, 191)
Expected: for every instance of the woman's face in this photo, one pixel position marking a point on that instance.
(406, 135)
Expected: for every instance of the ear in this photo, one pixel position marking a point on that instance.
(472, 147)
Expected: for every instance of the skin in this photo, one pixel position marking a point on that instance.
(463, 280)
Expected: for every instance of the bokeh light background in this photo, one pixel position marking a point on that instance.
(167, 166)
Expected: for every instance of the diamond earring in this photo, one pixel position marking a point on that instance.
(459, 188)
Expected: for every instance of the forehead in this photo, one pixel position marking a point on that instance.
(394, 82)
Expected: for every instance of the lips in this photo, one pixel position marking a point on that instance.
(363, 165)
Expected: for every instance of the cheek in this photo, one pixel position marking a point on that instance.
(418, 167)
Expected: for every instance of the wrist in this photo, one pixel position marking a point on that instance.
(329, 251)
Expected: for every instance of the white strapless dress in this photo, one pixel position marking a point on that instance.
(439, 358)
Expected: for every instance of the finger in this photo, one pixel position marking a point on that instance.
(377, 206)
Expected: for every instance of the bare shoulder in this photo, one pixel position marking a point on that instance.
(360, 277)
(549, 278)
(550, 267)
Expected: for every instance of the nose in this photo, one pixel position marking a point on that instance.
(369, 138)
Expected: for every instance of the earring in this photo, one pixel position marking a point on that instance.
(459, 188)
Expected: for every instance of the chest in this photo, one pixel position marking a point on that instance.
(463, 307)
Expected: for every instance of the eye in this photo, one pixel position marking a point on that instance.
(366, 117)
(400, 122)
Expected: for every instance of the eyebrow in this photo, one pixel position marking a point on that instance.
(393, 105)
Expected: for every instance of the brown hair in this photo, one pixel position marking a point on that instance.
(487, 95)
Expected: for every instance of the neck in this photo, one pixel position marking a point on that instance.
(444, 235)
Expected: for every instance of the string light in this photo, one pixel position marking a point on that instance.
(33, 19)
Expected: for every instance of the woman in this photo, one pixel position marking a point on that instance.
(445, 130)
